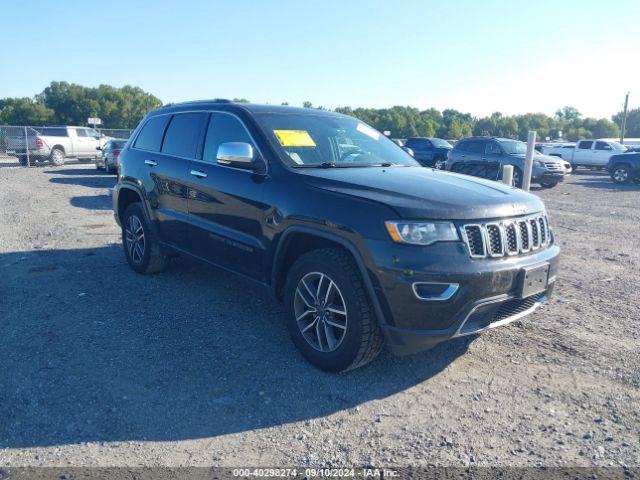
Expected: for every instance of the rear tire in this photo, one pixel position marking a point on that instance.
(57, 156)
(141, 247)
(335, 341)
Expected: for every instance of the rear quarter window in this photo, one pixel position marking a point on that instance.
(418, 143)
(150, 137)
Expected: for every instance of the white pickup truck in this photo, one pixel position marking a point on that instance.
(586, 153)
(57, 143)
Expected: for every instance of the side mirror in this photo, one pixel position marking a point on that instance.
(239, 155)
(409, 151)
(98, 148)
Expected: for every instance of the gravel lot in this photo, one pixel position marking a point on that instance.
(103, 367)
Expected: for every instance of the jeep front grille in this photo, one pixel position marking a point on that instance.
(507, 237)
(475, 240)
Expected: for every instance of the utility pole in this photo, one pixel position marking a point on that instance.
(624, 118)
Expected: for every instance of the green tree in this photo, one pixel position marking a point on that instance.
(24, 111)
(632, 128)
(116, 107)
(568, 113)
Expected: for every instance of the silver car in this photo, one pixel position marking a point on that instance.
(108, 161)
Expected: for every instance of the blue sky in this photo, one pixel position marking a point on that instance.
(475, 56)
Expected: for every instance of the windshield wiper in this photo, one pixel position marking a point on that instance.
(317, 165)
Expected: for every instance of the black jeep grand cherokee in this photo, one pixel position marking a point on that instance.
(361, 243)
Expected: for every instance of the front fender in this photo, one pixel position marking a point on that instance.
(280, 251)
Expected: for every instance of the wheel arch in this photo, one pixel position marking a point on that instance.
(59, 147)
(128, 194)
(619, 163)
(298, 240)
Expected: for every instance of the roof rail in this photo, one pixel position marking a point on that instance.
(192, 102)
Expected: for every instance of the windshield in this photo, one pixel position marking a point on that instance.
(513, 147)
(118, 143)
(618, 146)
(307, 140)
(438, 142)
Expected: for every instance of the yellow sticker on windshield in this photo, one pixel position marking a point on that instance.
(294, 138)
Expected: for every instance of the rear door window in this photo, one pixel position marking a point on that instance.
(462, 146)
(183, 135)
(150, 137)
(585, 145)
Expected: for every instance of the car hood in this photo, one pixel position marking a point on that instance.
(417, 192)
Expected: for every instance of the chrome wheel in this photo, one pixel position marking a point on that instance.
(134, 237)
(57, 157)
(320, 310)
(620, 175)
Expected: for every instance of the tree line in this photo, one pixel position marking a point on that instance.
(68, 103)
(63, 103)
(567, 123)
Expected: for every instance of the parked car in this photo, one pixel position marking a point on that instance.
(587, 153)
(362, 247)
(428, 151)
(625, 167)
(546, 171)
(108, 160)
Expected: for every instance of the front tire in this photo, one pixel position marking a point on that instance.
(329, 313)
(516, 180)
(57, 156)
(141, 247)
(620, 174)
(548, 184)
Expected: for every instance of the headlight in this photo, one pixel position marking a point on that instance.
(422, 233)
(539, 163)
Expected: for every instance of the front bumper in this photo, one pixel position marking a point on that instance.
(486, 296)
(479, 317)
(549, 177)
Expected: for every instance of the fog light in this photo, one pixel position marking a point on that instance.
(435, 291)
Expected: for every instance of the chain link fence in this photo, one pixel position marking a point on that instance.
(29, 146)
(119, 133)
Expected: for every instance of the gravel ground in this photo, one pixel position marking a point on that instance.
(104, 367)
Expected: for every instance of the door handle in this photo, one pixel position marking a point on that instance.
(198, 173)
(151, 163)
